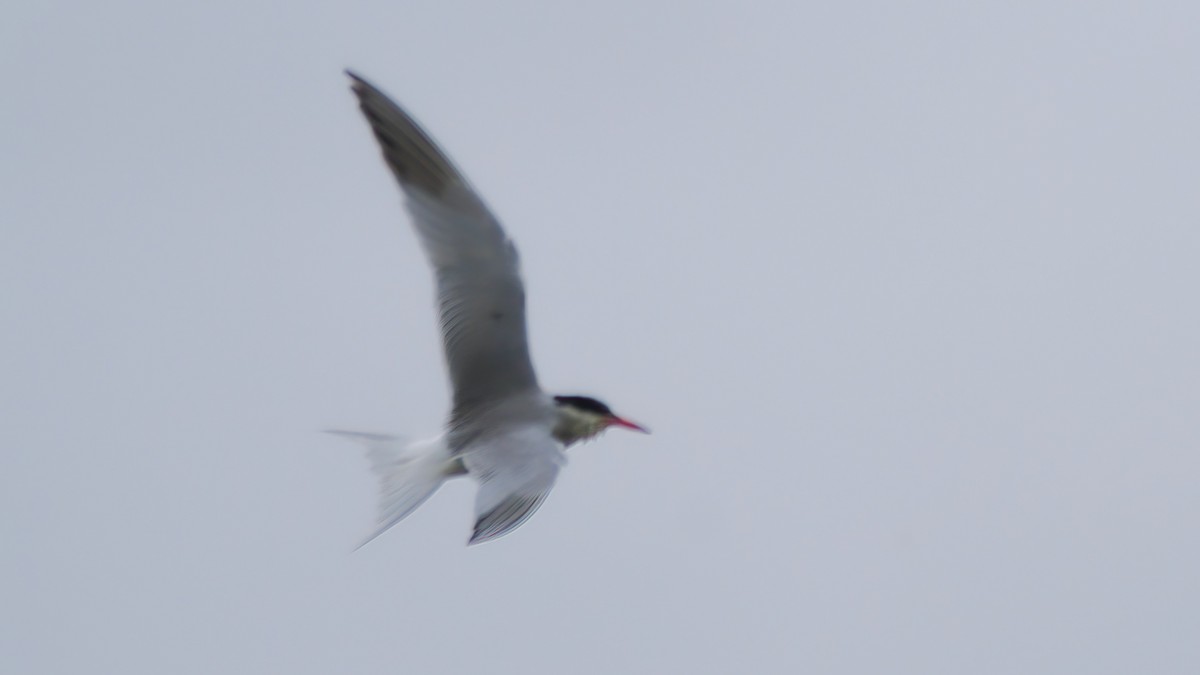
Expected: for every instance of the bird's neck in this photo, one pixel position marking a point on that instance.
(574, 425)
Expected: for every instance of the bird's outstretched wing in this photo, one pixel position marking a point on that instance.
(515, 472)
(480, 296)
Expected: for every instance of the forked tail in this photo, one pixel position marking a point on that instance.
(408, 473)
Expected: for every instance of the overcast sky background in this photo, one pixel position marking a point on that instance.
(907, 292)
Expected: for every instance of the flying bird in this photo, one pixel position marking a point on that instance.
(503, 430)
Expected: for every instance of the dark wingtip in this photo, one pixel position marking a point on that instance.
(358, 82)
(477, 536)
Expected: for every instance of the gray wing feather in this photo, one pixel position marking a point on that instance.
(506, 517)
(480, 295)
(515, 473)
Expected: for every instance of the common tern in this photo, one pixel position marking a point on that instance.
(503, 430)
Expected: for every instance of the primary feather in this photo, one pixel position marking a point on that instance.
(480, 295)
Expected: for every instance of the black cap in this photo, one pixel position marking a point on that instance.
(585, 403)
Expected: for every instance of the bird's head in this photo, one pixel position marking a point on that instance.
(581, 418)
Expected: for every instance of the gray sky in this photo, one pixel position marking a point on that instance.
(906, 291)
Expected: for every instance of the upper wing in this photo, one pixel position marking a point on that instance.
(515, 474)
(481, 299)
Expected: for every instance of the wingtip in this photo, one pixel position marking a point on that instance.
(351, 435)
(478, 536)
(476, 539)
(366, 541)
(357, 82)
